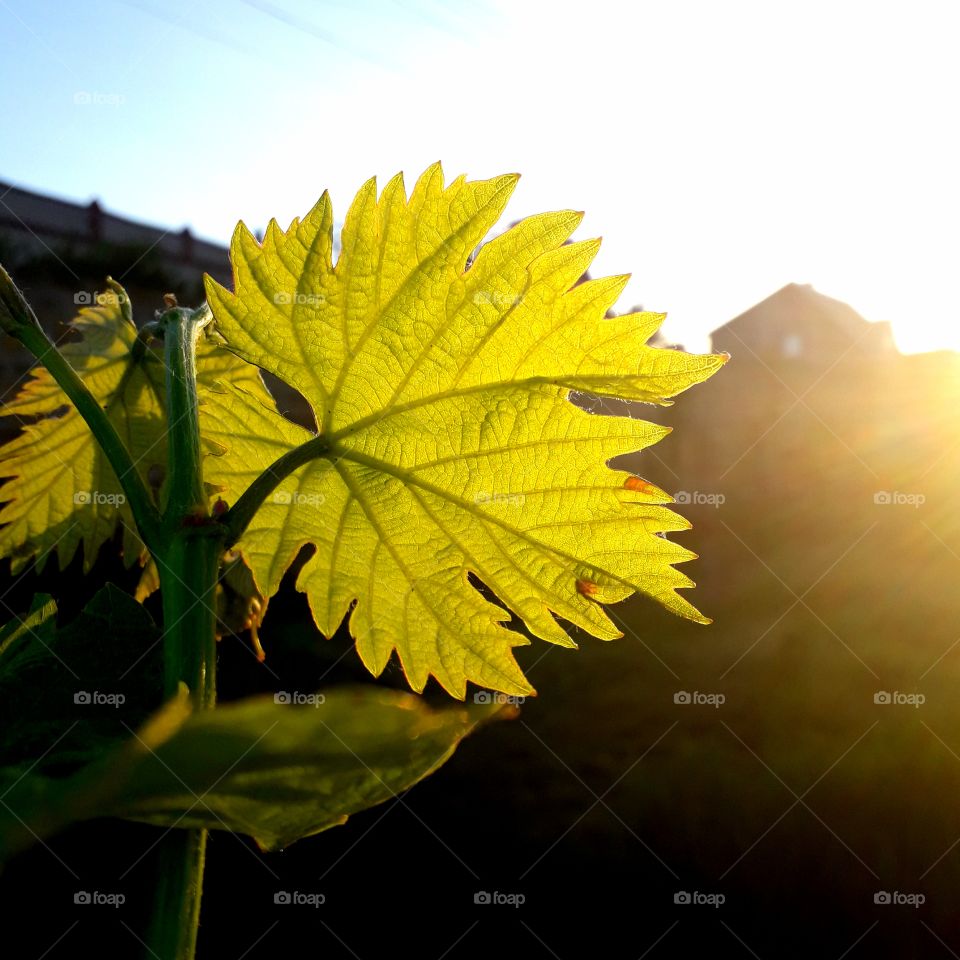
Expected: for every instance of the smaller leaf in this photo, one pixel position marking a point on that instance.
(280, 772)
(275, 771)
(61, 491)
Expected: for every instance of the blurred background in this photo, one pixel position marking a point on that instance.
(780, 178)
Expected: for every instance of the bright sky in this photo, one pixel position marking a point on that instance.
(721, 149)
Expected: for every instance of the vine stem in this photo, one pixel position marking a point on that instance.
(176, 915)
(188, 564)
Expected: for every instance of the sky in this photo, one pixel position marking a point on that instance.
(721, 150)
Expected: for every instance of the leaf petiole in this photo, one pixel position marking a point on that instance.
(238, 517)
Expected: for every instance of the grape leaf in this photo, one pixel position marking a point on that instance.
(275, 771)
(280, 772)
(448, 443)
(63, 491)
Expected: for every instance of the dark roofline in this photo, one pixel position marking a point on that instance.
(201, 249)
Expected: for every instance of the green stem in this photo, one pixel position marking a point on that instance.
(181, 330)
(188, 563)
(176, 915)
(188, 583)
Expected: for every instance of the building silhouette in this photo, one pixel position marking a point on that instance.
(799, 324)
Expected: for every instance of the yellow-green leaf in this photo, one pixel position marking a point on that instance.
(452, 448)
(62, 492)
